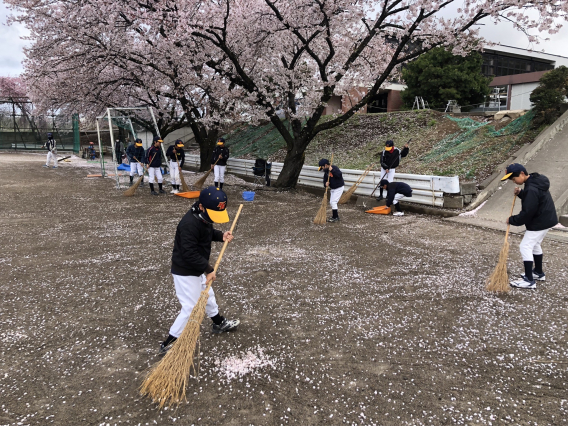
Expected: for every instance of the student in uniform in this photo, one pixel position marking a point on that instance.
(175, 153)
(220, 156)
(51, 146)
(190, 261)
(390, 159)
(538, 214)
(135, 154)
(396, 191)
(154, 161)
(335, 184)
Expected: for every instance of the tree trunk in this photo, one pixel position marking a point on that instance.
(292, 167)
(206, 139)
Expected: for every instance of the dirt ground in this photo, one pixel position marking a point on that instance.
(375, 320)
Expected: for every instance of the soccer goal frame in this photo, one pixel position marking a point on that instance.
(122, 113)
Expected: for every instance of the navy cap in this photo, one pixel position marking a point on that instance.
(214, 200)
(322, 163)
(157, 139)
(49, 135)
(389, 143)
(514, 170)
(383, 182)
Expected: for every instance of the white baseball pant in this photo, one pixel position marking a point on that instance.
(188, 290)
(174, 173)
(51, 156)
(531, 244)
(397, 198)
(220, 173)
(389, 176)
(136, 168)
(155, 171)
(334, 196)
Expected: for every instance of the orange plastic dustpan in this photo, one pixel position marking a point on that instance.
(379, 210)
(189, 194)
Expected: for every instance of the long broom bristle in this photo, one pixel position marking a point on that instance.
(347, 195)
(321, 216)
(184, 186)
(130, 191)
(199, 183)
(499, 280)
(166, 382)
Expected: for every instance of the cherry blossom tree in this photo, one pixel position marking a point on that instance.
(104, 55)
(292, 56)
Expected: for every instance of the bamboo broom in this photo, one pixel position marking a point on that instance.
(201, 181)
(347, 195)
(321, 216)
(184, 186)
(166, 382)
(132, 190)
(499, 280)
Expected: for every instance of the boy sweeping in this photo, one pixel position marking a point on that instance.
(190, 261)
(176, 153)
(390, 159)
(396, 191)
(335, 184)
(538, 214)
(135, 154)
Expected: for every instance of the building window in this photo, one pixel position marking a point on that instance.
(496, 64)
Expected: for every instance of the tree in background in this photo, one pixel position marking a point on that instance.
(549, 98)
(270, 58)
(439, 76)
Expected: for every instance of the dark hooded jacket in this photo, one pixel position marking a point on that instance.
(394, 188)
(135, 151)
(538, 212)
(391, 160)
(154, 156)
(172, 155)
(336, 178)
(192, 244)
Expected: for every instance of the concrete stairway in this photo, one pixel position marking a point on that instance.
(547, 155)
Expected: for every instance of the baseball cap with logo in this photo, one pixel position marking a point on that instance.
(158, 139)
(322, 163)
(221, 141)
(389, 146)
(179, 143)
(514, 170)
(138, 142)
(214, 200)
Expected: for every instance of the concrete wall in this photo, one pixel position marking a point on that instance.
(520, 95)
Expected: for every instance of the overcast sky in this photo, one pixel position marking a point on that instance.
(12, 54)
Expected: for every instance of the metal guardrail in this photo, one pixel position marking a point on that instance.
(428, 190)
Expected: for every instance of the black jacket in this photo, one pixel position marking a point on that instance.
(192, 244)
(155, 155)
(172, 155)
(220, 150)
(134, 151)
(538, 212)
(391, 160)
(336, 179)
(394, 188)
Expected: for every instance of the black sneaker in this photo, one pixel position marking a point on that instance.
(162, 191)
(154, 193)
(226, 325)
(536, 276)
(333, 219)
(379, 198)
(165, 349)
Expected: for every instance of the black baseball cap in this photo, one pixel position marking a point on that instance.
(158, 139)
(514, 170)
(383, 182)
(322, 163)
(214, 200)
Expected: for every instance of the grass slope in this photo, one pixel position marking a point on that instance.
(440, 145)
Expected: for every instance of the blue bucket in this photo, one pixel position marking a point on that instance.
(248, 195)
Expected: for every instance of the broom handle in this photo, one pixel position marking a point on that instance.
(509, 225)
(329, 173)
(227, 242)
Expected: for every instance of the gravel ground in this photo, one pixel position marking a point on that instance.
(373, 320)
